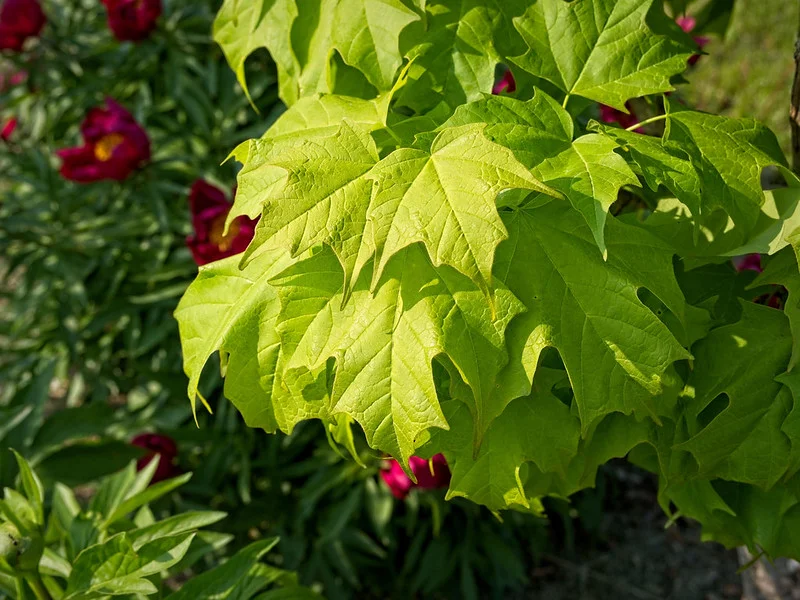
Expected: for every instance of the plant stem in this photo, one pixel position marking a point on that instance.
(646, 122)
(35, 581)
(566, 100)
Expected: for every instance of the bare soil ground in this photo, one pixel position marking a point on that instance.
(631, 555)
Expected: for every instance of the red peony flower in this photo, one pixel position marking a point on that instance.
(162, 445)
(400, 484)
(19, 20)
(210, 209)
(688, 24)
(612, 115)
(115, 145)
(132, 20)
(506, 83)
(8, 129)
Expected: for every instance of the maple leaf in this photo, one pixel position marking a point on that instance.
(605, 50)
(384, 342)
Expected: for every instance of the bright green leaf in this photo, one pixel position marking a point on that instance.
(734, 419)
(604, 50)
(384, 342)
(114, 568)
(445, 199)
(367, 35)
(616, 351)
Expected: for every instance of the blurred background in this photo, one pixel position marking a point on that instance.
(749, 73)
(92, 268)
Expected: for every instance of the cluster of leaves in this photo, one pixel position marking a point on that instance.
(115, 546)
(441, 266)
(90, 351)
(339, 525)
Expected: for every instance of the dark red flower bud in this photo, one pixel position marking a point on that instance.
(748, 262)
(8, 129)
(115, 145)
(19, 20)
(132, 20)
(430, 475)
(210, 209)
(162, 445)
(9, 80)
(506, 83)
(612, 115)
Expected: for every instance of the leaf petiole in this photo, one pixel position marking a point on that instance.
(646, 122)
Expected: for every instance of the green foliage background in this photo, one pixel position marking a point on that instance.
(89, 349)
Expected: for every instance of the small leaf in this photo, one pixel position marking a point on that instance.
(114, 568)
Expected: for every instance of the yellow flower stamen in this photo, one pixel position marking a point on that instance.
(215, 234)
(104, 148)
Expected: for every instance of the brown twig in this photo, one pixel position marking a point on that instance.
(794, 110)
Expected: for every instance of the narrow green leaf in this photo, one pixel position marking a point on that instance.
(34, 491)
(154, 492)
(226, 580)
(113, 490)
(174, 525)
